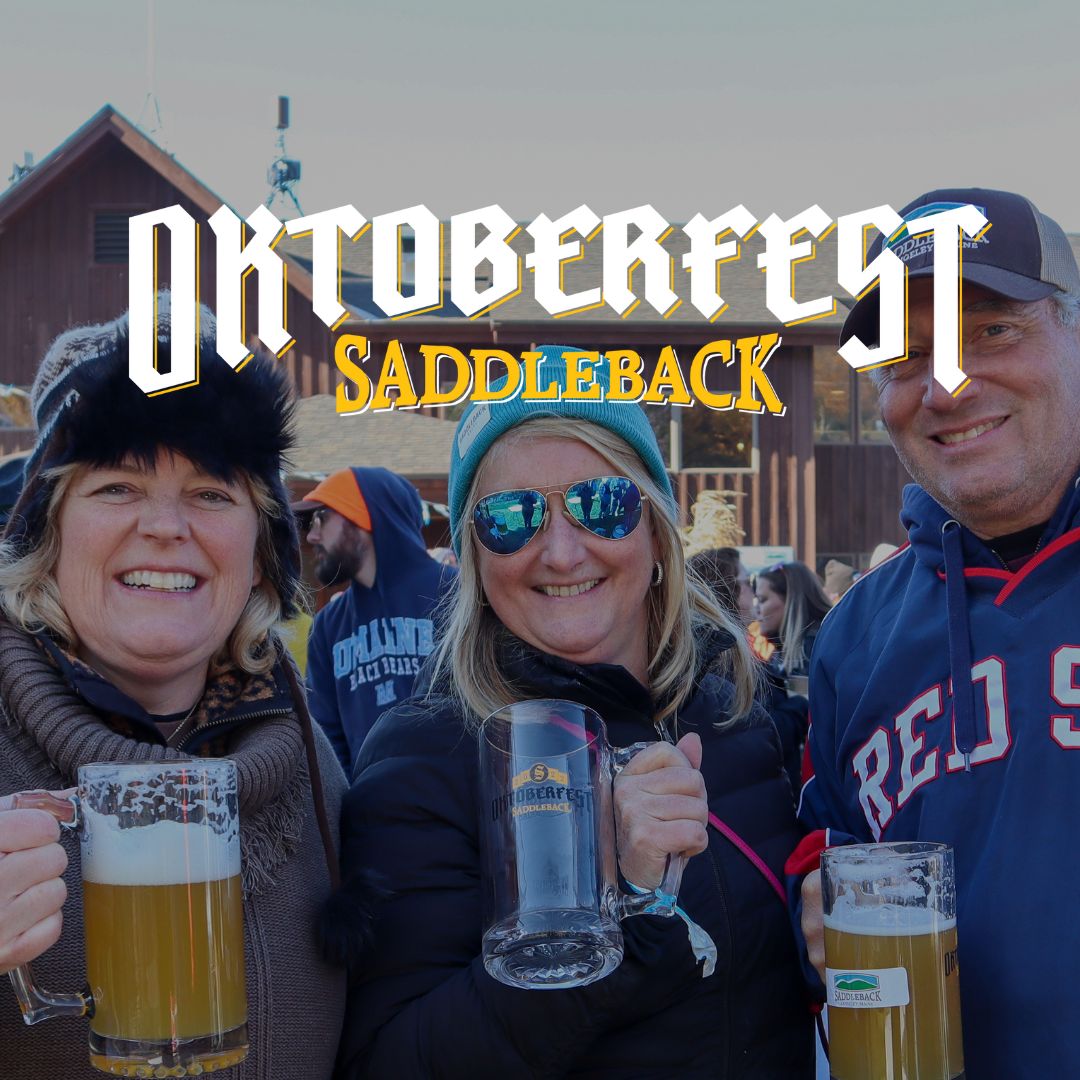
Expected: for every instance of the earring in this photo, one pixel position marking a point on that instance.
(658, 576)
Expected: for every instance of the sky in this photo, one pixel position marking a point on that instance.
(690, 105)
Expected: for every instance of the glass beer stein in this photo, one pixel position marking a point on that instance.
(163, 913)
(892, 978)
(552, 900)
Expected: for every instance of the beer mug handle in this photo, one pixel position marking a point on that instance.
(34, 1003)
(663, 899)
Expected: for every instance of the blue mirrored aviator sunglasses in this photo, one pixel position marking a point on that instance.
(608, 506)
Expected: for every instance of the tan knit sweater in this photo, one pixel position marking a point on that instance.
(295, 1001)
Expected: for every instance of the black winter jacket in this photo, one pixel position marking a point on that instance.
(421, 1003)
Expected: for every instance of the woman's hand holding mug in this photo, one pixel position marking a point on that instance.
(661, 809)
(32, 889)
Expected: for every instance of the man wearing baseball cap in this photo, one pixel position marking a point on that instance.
(945, 685)
(366, 648)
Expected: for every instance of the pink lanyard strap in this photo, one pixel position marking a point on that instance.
(728, 832)
(771, 878)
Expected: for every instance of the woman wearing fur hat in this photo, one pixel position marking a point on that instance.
(592, 606)
(144, 567)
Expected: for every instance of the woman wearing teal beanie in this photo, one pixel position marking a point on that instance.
(572, 585)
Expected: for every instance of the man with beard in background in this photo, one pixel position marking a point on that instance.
(366, 648)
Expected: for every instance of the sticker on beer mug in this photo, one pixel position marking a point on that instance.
(879, 988)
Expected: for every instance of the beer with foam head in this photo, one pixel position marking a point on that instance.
(163, 911)
(892, 977)
(919, 1039)
(163, 915)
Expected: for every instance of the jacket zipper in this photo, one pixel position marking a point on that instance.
(1005, 565)
(264, 714)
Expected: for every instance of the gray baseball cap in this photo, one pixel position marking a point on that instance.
(1024, 255)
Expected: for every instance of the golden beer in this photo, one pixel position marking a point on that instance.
(164, 923)
(163, 917)
(917, 1041)
(165, 961)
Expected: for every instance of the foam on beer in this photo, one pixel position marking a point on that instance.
(885, 919)
(164, 853)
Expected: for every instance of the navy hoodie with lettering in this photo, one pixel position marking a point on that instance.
(367, 645)
(945, 706)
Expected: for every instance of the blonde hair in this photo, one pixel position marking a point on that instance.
(467, 656)
(31, 600)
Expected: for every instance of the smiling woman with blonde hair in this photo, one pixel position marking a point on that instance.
(572, 585)
(142, 573)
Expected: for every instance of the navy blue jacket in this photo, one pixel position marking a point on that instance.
(367, 645)
(421, 1003)
(945, 706)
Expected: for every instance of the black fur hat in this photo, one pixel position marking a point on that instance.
(231, 424)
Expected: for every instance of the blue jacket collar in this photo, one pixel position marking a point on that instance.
(923, 518)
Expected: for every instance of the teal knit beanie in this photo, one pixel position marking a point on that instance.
(484, 421)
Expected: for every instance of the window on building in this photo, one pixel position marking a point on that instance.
(832, 397)
(717, 440)
(111, 236)
(707, 439)
(845, 402)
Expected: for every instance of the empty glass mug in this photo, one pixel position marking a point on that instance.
(892, 976)
(163, 912)
(552, 902)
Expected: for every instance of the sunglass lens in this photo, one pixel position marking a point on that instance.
(506, 521)
(608, 506)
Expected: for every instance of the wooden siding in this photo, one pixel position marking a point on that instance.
(49, 281)
(310, 361)
(858, 503)
(777, 501)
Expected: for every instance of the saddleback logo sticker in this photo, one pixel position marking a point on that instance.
(881, 988)
(540, 788)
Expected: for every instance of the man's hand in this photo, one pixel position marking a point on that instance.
(32, 889)
(813, 921)
(661, 809)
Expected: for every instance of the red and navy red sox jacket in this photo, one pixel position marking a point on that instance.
(945, 706)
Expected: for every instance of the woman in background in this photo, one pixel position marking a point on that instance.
(790, 605)
(722, 570)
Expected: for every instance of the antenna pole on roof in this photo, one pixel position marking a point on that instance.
(284, 172)
(151, 124)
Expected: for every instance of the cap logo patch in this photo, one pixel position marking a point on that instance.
(908, 245)
(473, 424)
